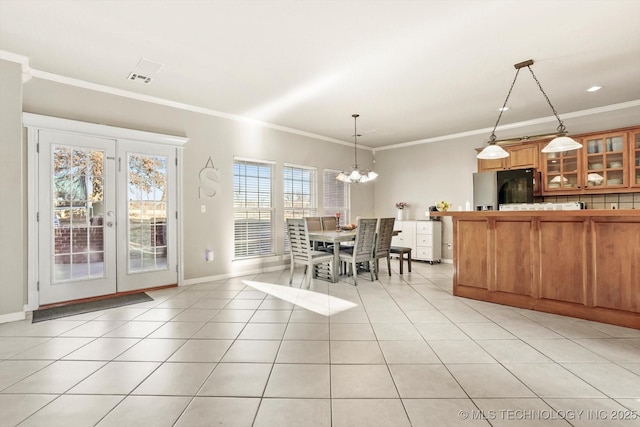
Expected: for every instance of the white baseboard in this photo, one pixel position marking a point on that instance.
(233, 274)
(447, 261)
(12, 317)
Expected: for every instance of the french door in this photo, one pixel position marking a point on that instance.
(107, 218)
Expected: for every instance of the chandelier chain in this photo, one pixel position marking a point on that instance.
(561, 127)
(492, 138)
(355, 140)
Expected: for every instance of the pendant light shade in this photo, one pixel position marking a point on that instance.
(355, 174)
(561, 143)
(493, 151)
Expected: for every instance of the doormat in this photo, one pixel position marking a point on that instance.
(89, 306)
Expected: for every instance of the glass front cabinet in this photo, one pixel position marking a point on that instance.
(561, 171)
(606, 161)
(635, 159)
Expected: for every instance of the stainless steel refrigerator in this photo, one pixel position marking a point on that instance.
(492, 189)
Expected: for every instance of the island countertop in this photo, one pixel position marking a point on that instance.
(538, 213)
(580, 263)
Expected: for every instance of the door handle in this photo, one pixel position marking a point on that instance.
(109, 223)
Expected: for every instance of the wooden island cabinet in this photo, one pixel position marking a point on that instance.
(583, 264)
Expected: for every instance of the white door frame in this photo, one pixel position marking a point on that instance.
(36, 122)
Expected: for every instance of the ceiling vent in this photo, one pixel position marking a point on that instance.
(140, 78)
(145, 71)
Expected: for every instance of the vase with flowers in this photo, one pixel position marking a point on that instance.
(400, 207)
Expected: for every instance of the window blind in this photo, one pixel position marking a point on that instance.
(299, 195)
(253, 208)
(335, 196)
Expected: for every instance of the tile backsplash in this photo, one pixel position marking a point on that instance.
(598, 201)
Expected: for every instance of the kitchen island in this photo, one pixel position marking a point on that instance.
(582, 263)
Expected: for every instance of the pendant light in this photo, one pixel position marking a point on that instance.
(356, 175)
(561, 142)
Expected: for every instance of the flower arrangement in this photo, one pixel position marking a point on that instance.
(443, 206)
(401, 205)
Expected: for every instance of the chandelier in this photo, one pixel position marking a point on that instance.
(356, 175)
(561, 142)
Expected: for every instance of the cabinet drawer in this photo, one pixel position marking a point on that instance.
(424, 227)
(424, 240)
(424, 253)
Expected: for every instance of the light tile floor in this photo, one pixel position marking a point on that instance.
(410, 353)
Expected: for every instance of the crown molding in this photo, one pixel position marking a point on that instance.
(27, 71)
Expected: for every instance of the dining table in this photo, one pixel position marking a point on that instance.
(334, 237)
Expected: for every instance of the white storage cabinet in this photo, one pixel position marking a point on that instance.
(423, 237)
(429, 241)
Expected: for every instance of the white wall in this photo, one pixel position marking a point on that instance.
(423, 174)
(218, 138)
(13, 208)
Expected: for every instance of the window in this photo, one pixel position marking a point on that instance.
(299, 194)
(253, 208)
(335, 195)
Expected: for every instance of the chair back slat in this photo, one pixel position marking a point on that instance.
(383, 239)
(298, 238)
(364, 246)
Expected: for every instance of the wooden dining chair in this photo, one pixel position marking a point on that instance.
(301, 251)
(329, 223)
(383, 243)
(363, 248)
(314, 223)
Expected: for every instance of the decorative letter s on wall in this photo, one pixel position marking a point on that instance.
(208, 180)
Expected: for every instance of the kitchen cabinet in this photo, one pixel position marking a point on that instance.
(581, 263)
(634, 159)
(605, 161)
(423, 237)
(521, 156)
(428, 241)
(561, 172)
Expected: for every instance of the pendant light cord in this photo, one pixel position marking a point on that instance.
(561, 128)
(492, 138)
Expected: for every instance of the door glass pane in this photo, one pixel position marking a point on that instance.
(77, 205)
(147, 212)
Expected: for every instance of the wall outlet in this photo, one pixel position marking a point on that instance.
(614, 205)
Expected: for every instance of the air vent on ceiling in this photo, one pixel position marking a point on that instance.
(145, 71)
(140, 78)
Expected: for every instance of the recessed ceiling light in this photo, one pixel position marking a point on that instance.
(503, 108)
(594, 88)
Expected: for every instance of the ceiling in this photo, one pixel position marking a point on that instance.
(413, 70)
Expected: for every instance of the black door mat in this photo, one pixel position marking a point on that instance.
(89, 306)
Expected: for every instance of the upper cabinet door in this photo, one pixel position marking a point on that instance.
(561, 171)
(523, 156)
(606, 158)
(634, 158)
(486, 165)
